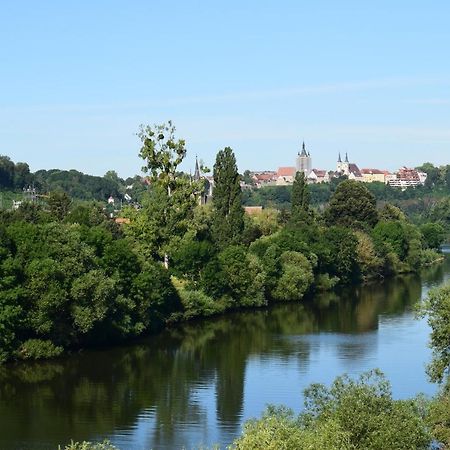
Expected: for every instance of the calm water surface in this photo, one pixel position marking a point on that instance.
(198, 383)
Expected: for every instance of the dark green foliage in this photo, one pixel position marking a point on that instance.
(436, 308)
(244, 276)
(191, 256)
(337, 254)
(39, 349)
(59, 204)
(433, 235)
(228, 219)
(391, 212)
(300, 198)
(65, 286)
(392, 234)
(71, 277)
(7, 170)
(352, 205)
(75, 184)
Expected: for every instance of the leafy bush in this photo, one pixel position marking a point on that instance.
(351, 414)
(196, 304)
(38, 349)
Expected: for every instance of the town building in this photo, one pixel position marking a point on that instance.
(348, 169)
(285, 176)
(304, 161)
(318, 176)
(265, 178)
(374, 175)
(406, 177)
(205, 196)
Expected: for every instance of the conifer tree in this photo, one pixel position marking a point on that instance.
(300, 197)
(228, 223)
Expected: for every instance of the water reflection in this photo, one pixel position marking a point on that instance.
(195, 383)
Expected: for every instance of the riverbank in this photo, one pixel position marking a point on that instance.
(198, 382)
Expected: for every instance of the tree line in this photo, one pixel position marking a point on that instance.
(70, 277)
(421, 204)
(76, 184)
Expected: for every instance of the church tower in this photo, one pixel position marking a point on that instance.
(304, 161)
(197, 170)
(343, 166)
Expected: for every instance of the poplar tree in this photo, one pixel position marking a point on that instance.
(300, 197)
(228, 219)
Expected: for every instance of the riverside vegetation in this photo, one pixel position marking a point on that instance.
(359, 414)
(72, 278)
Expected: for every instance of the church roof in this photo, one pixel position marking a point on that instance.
(319, 173)
(374, 172)
(354, 169)
(286, 171)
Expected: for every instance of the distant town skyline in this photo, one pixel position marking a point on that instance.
(370, 79)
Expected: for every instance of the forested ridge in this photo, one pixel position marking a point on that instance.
(16, 177)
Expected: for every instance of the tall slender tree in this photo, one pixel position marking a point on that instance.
(228, 222)
(173, 195)
(300, 198)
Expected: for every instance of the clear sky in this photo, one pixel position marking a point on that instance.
(371, 78)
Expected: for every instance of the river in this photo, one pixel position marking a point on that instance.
(197, 383)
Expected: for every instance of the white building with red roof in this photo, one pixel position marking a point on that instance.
(285, 175)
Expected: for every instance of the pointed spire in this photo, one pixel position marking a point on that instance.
(339, 158)
(304, 150)
(346, 157)
(197, 170)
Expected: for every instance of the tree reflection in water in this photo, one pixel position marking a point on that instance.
(97, 393)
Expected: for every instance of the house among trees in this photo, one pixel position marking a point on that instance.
(206, 195)
(406, 177)
(371, 175)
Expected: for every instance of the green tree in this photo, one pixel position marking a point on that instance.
(162, 152)
(22, 175)
(433, 235)
(350, 415)
(436, 308)
(6, 172)
(352, 205)
(59, 204)
(433, 174)
(228, 215)
(296, 277)
(391, 212)
(173, 196)
(300, 198)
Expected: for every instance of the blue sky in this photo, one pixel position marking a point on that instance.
(370, 78)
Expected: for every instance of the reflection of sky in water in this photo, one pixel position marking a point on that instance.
(198, 384)
(397, 348)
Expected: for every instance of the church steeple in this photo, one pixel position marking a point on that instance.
(346, 157)
(303, 153)
(339, 158)
(197, 170)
